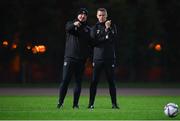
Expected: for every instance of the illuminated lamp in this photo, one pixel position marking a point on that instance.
(14, 46)
(5, 43)
(158, 47)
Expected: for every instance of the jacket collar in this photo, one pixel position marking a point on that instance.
(102, 24)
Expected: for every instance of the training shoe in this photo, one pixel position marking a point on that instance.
(75, 107)
(59, 106)
(91, 107)
(114, 106)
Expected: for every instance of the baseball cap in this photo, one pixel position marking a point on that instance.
(82, 11)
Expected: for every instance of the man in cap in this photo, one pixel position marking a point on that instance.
(76, 53)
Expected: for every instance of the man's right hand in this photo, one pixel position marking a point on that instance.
(108, 24)
(77, 23)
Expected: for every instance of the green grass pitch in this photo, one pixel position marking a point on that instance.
(44, 107)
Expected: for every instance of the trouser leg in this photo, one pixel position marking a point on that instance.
(109, 70)
(67, 74)
(93, 86)
(78, 80)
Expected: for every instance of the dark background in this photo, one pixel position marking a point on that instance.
(142, 25)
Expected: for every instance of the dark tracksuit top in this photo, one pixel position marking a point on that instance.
(104, 42)
(104, 56)
(77, 41)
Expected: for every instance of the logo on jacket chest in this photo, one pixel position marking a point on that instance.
(97, 31)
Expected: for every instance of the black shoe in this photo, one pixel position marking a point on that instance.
(59, 106)
(75, 107)
(91, 107)
(114, 106)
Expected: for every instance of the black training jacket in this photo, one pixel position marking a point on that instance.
(77, 41)
(104, 42)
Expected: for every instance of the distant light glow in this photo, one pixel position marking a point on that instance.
(14, 46)
(158, 47)
(39, 49)
(28, 47)
(5, 43)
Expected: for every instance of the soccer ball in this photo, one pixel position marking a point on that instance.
(171, 110)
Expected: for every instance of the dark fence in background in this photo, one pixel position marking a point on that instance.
(37, 72)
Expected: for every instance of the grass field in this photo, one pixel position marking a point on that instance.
(44, 107)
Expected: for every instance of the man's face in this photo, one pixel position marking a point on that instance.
(82, 17)
(101, 16)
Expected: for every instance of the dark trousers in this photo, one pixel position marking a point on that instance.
(109, 68)
(70, 68)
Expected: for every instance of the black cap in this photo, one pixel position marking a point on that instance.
(82, 11)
